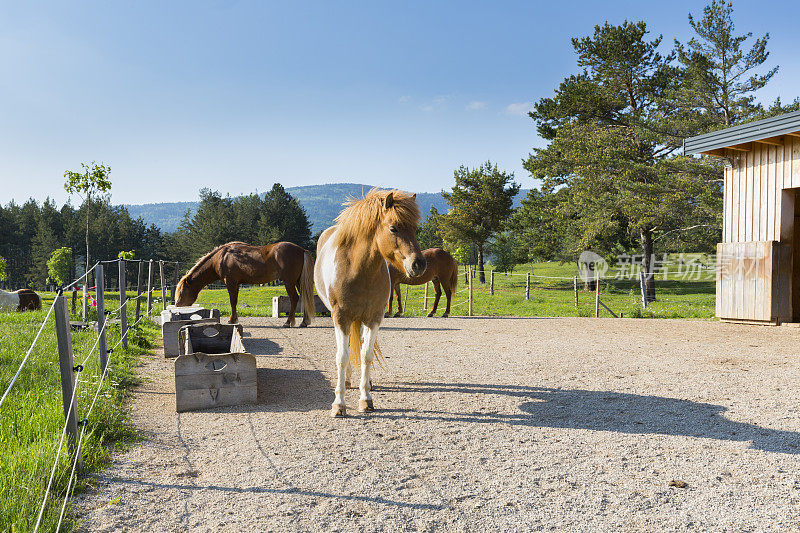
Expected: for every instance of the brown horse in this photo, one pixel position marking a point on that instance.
(352, 277)
(236, 263)
(21, 300)
(442, 269)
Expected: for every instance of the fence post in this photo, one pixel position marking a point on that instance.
(123, 302)
(575, 289)
(643, 288)
(527, 285)
(149, 288)
(65, 364)
(491, 282)
(163, 286)
(175, 285)
(596, 297)
(139, 292)
(100, 281)
(85, 300)
(425, 301)
(470, 292)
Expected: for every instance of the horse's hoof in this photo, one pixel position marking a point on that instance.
(347, 384)
(430, 314)
(386, 315)
(365, 406)
(398, 314)
(303, 324)
(338, 411)
(287, 325)
(445, 315)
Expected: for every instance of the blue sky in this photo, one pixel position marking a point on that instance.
(176, 96)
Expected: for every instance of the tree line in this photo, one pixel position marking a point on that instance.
(613, 178)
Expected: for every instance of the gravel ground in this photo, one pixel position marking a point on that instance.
(481, 423)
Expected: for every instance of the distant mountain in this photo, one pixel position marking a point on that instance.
(322, 204)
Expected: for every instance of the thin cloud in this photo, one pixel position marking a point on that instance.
(476, 105)
(437, 104)
(403, 99)
(519, 109)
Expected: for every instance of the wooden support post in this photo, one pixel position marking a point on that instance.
(139, 292)
(149, 288)
(85, 308)
(470, 293)
(575, 289)
(102, 347)
(65, 364)
(123, 301)
(491, 282)
(596, 297)
(175, 284)
(425, 300)
(527, 285)
(163, 286)
(643, 289)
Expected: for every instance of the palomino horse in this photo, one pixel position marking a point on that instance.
(352, 276)
(442, 269)
(236, 263)
(21, 300)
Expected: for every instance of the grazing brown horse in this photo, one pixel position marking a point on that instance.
(21, 300)
(352, 277)
(236, 263)
(442, 269)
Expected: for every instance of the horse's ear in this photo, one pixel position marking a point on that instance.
(389, 200)
(414, 197)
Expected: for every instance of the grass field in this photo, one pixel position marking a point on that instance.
(551, 294)
(32, 417)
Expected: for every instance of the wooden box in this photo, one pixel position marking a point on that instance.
(213, 368)
(174, 318)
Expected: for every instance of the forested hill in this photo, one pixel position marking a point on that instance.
(321, 202)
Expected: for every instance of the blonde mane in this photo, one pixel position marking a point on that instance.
(361, 216)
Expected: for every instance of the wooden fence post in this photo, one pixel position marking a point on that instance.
(491, 282)
(123, 302)
(149, 288)
(175, 285)
(527, 285)
(163, 286)
(575, 289)
(425, 301)
(65, 364)
(85, 308)
(470, 293)
(597, 297)
(102, 347)
(139, 292)
(643, 288)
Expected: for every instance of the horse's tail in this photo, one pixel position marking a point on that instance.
(355, 347)
(454, 277)
(307, 287)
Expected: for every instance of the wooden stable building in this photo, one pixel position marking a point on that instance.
(758, 260)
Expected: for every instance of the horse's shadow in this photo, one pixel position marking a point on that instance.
(602, 411)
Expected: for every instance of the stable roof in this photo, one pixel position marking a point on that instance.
(739, 138)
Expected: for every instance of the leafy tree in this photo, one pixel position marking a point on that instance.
(3, 266)
(429, 232)
(126, 255)
(59, 266)
(720, 75)
(92, 179)
(506, 251)
(283, 218)
(614, 130)
(481, 201)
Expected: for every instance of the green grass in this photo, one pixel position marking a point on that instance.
(549, 295)
(32, 417)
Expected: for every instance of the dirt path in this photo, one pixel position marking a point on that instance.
(516, 424)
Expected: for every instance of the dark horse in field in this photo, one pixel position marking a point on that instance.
(442, 269)
(236, 263)
(21, 300)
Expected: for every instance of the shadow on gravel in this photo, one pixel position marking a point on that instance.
(262, 346)
(602, 411)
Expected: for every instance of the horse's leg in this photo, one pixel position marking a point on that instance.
(399, 301)
(233, 294)
(342, 333)
(306, 320)
(368, 336)
(388, 313)
(448, 293)
(293, 299)
(438, 288)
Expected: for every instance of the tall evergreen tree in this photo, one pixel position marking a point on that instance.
(481, 201)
